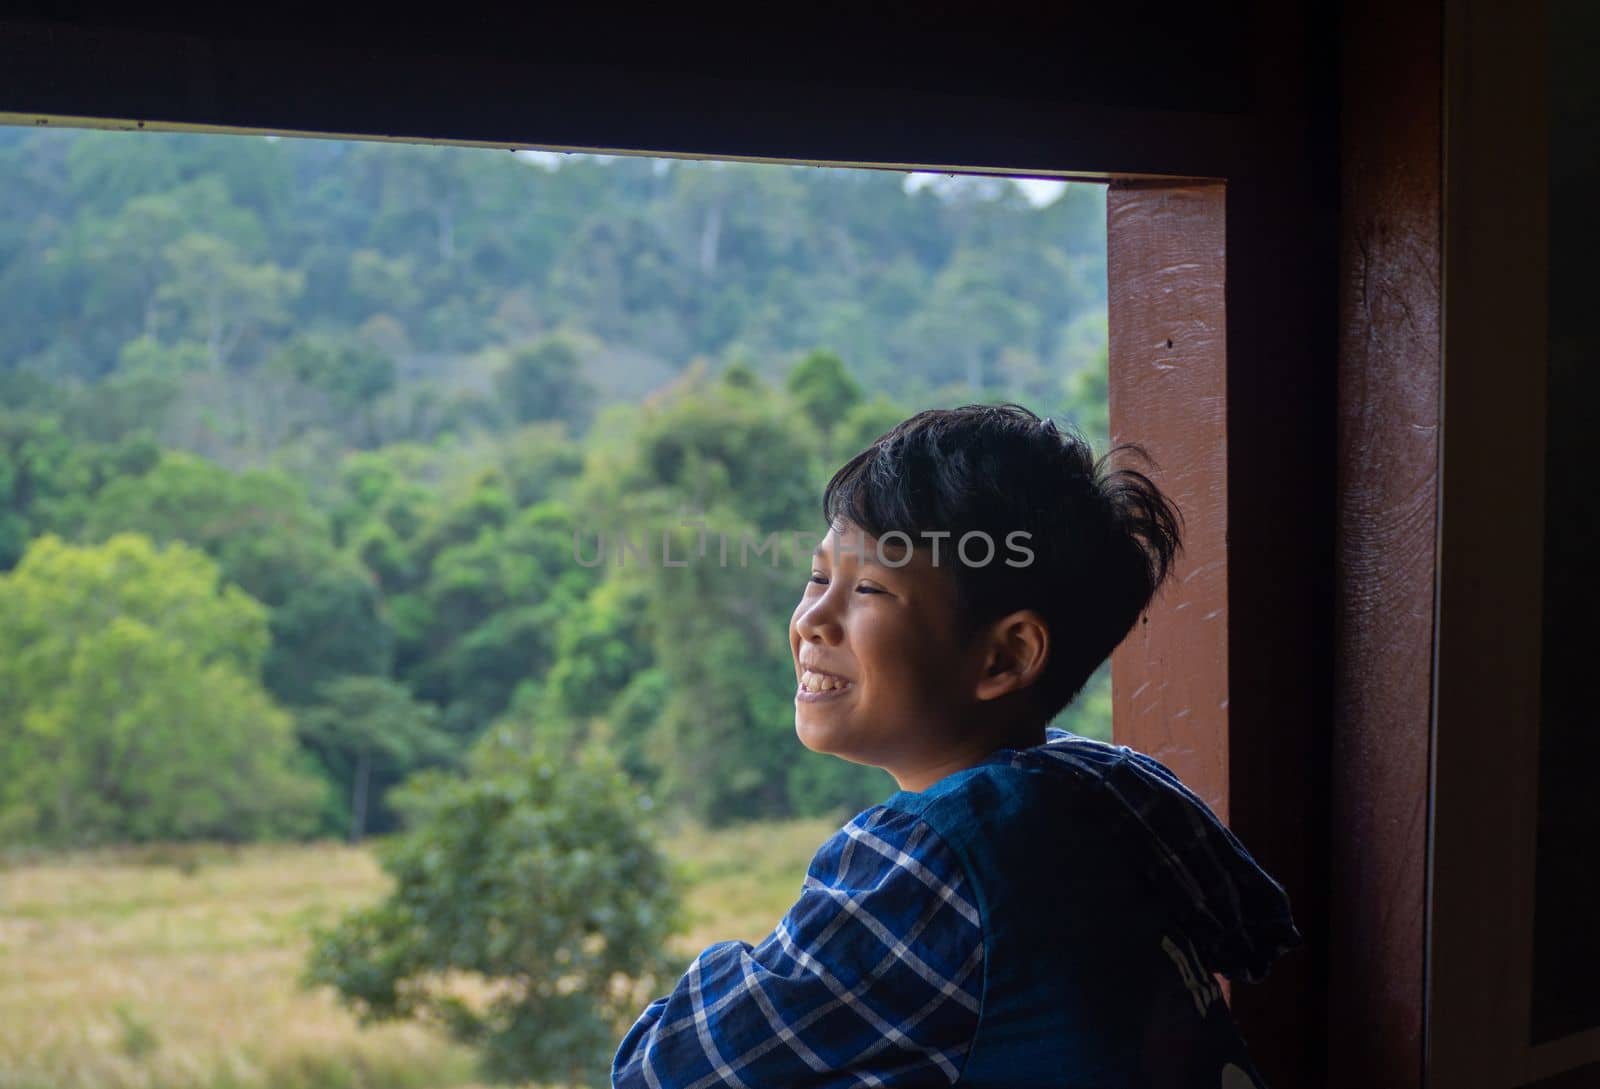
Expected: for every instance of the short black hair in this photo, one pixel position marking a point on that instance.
(1103, 538)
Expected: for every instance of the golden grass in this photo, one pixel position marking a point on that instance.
(741, 880)
(176, 968)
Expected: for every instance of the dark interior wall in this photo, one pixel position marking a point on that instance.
(1566, 943)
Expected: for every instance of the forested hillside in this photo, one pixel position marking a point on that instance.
(296, 437)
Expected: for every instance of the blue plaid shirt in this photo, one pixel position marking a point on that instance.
(875, 976)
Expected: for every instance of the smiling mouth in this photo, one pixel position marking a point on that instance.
(821, 686)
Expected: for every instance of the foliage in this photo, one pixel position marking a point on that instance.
(49, 479)
(823, 389)
(257, 525)
(240, 245)
(222, 298)
(1089, 714)
(368, 733)
(130, 704)
(528, 914)
(387, 389)
(1086, 402)
(331, 625)
(543, 381)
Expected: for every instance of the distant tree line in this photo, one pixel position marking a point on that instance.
(297, 436)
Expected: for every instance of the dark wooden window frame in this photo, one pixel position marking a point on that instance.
(1224, 681)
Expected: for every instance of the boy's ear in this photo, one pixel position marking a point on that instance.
(1015, 655)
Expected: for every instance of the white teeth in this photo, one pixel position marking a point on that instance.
(817, 682)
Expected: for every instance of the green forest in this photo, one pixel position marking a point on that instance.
(297, 438)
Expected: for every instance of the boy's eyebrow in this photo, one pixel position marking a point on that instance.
(865, 555)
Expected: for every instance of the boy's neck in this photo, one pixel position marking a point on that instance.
(1022, 735)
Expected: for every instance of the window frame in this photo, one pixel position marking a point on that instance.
(1253, 477)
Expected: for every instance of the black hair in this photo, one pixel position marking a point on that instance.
(1103, 538)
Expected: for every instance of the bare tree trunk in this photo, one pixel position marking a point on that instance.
(150, 312)
(710, 238)
(358, 805)
(214, 330)
(445, 215)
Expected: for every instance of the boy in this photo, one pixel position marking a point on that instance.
(1030, 908)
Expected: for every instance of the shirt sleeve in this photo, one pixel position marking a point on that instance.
(873, 977)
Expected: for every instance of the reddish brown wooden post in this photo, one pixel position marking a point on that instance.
(1168, 357)
(1215, 682)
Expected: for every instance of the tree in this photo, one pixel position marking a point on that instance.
(369, 732)
(224, 297)
(331, 625)
(1085, 401)
(49, 481)
(865, 424)
(601, 647)
(137, 396)
(257, 525)
(534, 877)
(544, 381)
(822, 387)
(130, 707)
(746, 467)
(349, 374)
(492, 607)
(290, 308)
(971, 314)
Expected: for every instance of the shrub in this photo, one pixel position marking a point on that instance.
(529, 911)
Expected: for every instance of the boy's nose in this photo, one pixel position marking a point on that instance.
(817, 622)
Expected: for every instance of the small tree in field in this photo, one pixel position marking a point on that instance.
(528, 914)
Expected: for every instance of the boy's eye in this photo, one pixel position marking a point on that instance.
(821, 580)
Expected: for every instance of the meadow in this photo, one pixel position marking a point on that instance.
(173, 967)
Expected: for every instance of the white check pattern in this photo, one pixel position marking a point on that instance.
(872, 978)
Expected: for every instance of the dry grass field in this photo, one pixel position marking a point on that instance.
(176, 968)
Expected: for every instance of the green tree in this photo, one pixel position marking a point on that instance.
(601, 647)
(736, 468)
(1089, 713)
(491, 606)
(331, 625)
(350, 375)
(258, 525)
(545, 381)
(328, 617)
(865, 424)
(1085, 401)
(822, 387)
(49, 481)
(290, 308)
(130, 707)
(369, 732)
(137, 396)
(535, 876)
(223, 297)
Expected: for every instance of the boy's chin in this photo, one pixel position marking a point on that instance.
(811, 735)
(825, 738)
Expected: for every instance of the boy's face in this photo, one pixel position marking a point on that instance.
(909, 690)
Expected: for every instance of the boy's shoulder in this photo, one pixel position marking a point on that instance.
(1084, 812)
